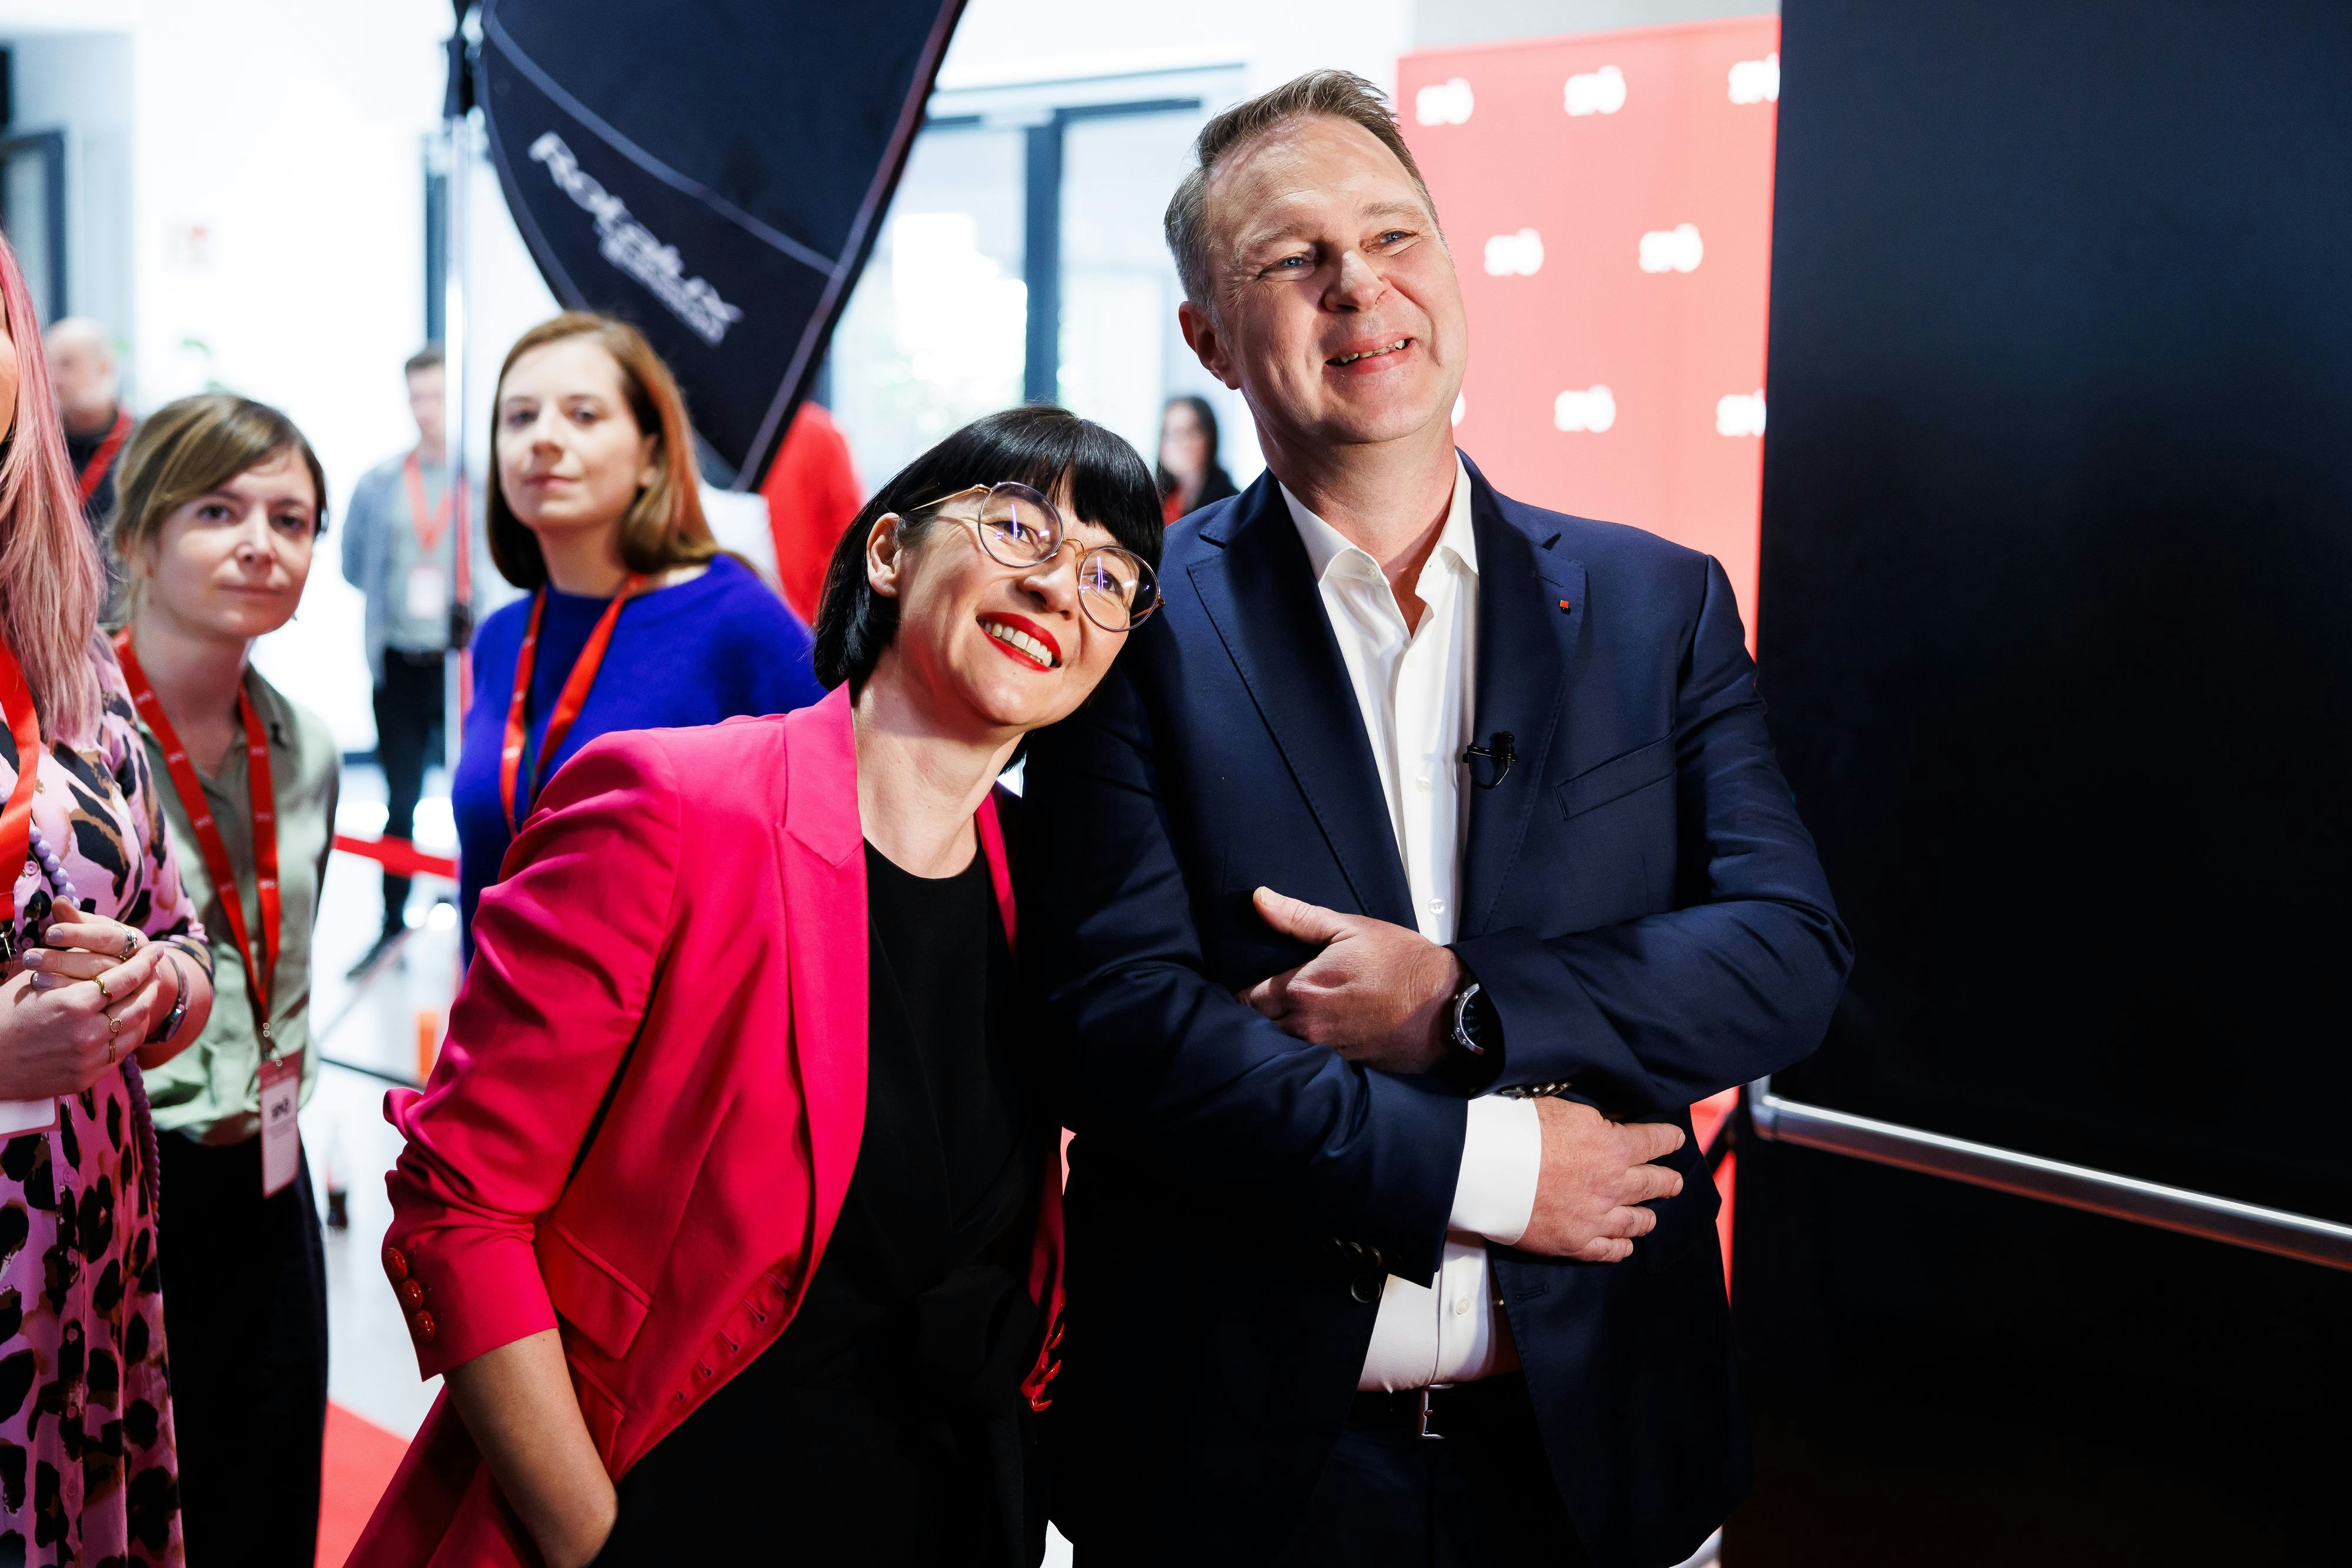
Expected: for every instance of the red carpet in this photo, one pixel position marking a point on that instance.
(360, 1458)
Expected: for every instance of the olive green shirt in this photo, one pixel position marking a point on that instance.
(212, 1090)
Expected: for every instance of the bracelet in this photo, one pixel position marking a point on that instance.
(171, 1025)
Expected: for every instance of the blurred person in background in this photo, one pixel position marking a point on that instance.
(1189, 475)
(811, 493)
(635, 619)
(731, 1212)
(98, 427)
(400, 549)
(222, 503)
(89, 1469)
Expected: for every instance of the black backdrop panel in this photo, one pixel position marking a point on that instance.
(713, 172)
(2057, 571)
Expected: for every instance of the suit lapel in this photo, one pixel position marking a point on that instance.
(824, 918)
(1531, 612)
(1260, 593)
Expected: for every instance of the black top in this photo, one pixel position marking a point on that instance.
(881, 1427)
(80, 447)
(98, 510)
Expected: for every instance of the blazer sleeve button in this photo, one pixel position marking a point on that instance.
(412, 1294)
(395, 1264)
(422, 1321)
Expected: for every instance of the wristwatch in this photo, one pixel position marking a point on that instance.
(1474, 1048)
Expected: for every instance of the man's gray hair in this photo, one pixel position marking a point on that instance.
(1342, 95)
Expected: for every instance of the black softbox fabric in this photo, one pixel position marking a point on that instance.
(712, 170)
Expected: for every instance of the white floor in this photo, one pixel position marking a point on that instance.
(374, 1025)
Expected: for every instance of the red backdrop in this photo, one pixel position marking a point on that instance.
(1609, 199)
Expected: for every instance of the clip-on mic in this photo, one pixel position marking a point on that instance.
(1501, 754)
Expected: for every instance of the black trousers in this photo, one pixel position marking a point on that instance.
(245, 1325)
(408, 727)
(1483, 1497)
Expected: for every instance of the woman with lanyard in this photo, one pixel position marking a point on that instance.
(108, 972)
(635, 619)
(223, 502)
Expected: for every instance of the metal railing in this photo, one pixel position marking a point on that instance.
(2302, 1236)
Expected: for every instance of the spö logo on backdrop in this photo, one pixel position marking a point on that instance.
(1443, 103)
(1756, 82)
(1515, 255)
(1739, 414)
(1592, 410)
(631, 246)
(1594, 92)
(1677, 250)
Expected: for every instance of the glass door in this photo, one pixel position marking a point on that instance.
(33, 213)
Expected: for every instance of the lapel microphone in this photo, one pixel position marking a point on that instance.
(1498, 755)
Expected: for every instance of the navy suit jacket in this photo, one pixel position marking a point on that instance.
(1638, 897)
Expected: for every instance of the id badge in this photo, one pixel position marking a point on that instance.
(27, 1116)
(281, 1125)
(428, 592)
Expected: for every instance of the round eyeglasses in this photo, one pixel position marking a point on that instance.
(1018, 526)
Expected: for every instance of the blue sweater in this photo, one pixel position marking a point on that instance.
(720, 646)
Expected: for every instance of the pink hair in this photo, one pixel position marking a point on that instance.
(51, 581)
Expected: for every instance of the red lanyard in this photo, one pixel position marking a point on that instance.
(93, 473)
(567, 705)
(262, 967)
(16, 821)
(429, 529)
(428, 535)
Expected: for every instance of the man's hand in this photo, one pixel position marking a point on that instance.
(1596, 1174)
(1377, 993)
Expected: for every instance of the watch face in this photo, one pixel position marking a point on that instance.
(1468, 1020)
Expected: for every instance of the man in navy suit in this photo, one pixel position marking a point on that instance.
(1413, 873)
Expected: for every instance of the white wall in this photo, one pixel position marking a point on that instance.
(291, 135)
(1442, 22)
(1042, 41)
(80, 83)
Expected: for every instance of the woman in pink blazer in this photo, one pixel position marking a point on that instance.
(731, 1213)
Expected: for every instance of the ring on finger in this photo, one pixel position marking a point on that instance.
(113, 1026)
(129, 943)
(100, 981)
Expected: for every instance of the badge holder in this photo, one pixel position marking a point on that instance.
(282, 1122)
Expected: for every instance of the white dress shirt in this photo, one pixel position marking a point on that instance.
(1418, 693)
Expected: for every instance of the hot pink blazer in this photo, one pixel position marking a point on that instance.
(681, 930)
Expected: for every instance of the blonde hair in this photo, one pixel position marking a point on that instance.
(51, 581)
(192, 448)
(664, 526)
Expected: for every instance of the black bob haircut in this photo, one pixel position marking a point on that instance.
(1037, 445)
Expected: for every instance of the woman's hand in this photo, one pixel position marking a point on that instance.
(76, 1006)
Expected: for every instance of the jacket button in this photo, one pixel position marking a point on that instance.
(422, 1320)
(395, 1264)
(412, 1293)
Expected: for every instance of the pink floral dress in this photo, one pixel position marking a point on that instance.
(88, 1471)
